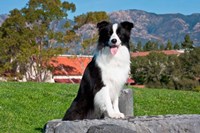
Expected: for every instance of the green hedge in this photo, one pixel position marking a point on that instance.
(168, 71)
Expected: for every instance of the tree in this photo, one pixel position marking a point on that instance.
(190, 69)
(87, 43)
(149, 70)
(188, 43)
(168, 71)
(156, 46)
(139, 46)
(139, 69)
(28, 42)
(149, 46)
(191, 63)
(90, 17)
(176, 46)
(14, 39)
(162, 46)
(132, 47)
(157, 70)
(169, 45)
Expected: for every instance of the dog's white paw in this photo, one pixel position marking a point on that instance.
(117, 115)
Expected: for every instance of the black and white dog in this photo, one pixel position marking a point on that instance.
(105, 75)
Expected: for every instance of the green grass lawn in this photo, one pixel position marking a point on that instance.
(26, 107)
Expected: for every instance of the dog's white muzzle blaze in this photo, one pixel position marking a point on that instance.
(114, 41)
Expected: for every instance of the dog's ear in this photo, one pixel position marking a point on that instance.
(102, 24)
(127, 25)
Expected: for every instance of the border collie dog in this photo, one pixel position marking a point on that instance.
(105, 75)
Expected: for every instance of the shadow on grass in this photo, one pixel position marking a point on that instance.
(42, 130)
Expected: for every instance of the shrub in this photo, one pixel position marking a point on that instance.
(158, 70)
(197, 88)
(185, 84)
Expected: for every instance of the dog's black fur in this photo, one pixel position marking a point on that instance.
(92, 82)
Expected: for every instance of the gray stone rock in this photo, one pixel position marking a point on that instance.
(126, 102)
(81, 126)
(109, 128)
(167, 124)
(143, 124)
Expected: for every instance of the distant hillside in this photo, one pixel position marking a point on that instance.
(148, 26)
(160, 27)
(154, 27)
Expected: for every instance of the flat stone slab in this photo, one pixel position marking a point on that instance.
(142, 124)
(109, 128)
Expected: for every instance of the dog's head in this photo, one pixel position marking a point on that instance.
(114, 35)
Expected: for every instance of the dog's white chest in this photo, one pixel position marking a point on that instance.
(114, 69)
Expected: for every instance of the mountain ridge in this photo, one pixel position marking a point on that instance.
(148, 26)
(160, 27)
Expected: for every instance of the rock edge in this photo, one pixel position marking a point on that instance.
(142, 124)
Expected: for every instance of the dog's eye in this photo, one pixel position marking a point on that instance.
(106, 32)
(119, 33)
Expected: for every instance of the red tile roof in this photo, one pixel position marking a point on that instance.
(70, 65)
(136, 54)
(171, 52)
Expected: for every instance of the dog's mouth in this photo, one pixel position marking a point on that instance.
(114, 49)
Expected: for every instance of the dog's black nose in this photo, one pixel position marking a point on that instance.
(114, 41)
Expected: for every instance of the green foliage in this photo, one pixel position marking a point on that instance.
(188, 43)
(174, 72)
(70, 37)
(90, 17)
(89, 42)
(176, 46)
(197, 89)
(149, 46)
(169, 45)
(162, 46)
(154, 46)
(139, 46)
(132, 47)
(153, 70)
(191, 63)
(28, 43)
(139, 69)
(163, 71)
(186, 83)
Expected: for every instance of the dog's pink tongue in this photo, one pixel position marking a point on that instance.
(113, 50)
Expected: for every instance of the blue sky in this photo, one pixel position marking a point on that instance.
(186, 7)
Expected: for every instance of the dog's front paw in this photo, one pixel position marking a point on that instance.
(121, 115)
(117, 115)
